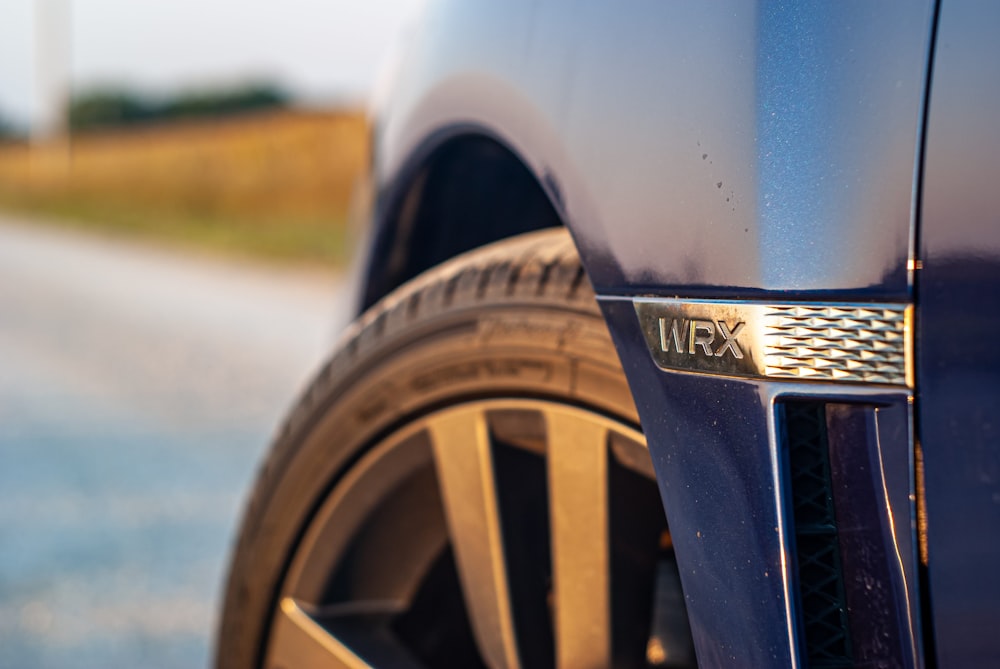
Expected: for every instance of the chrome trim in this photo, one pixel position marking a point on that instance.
(839, 342)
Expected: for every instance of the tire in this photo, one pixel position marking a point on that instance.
(463, 484)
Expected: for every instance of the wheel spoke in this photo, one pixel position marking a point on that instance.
(578, 506)
(299, 641)
(349, 637)
(463, 459)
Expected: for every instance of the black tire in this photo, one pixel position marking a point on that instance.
(512, 322)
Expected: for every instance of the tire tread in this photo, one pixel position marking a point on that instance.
(539, 268)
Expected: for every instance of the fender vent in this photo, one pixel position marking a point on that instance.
(822, 595)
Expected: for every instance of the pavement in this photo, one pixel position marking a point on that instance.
(138, 391)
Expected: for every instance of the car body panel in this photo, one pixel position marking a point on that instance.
(719, 463)
(768, 146)
(959, 364)
(767, 150)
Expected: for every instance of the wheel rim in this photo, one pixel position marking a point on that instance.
(479, 497)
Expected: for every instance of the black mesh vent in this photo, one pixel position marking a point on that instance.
(820, 573)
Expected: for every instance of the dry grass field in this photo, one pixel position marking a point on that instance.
(274, 184)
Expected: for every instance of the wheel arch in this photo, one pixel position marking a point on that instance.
(462, 188)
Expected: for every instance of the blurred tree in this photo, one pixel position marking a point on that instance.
(221, 103)
(104, 108)
(9, 131)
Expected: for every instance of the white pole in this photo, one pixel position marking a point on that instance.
(52, 69)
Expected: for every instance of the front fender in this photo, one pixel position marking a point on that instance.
(764, 151)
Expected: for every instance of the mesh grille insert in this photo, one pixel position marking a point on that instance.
(820, 573)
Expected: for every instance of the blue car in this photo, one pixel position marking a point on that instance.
(674, 350)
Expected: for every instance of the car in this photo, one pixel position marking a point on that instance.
(674, 349)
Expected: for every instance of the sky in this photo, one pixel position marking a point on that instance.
(320, 50)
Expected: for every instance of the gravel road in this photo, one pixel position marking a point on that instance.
(138, 389)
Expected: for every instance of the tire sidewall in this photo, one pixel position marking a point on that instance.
(392, 369)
